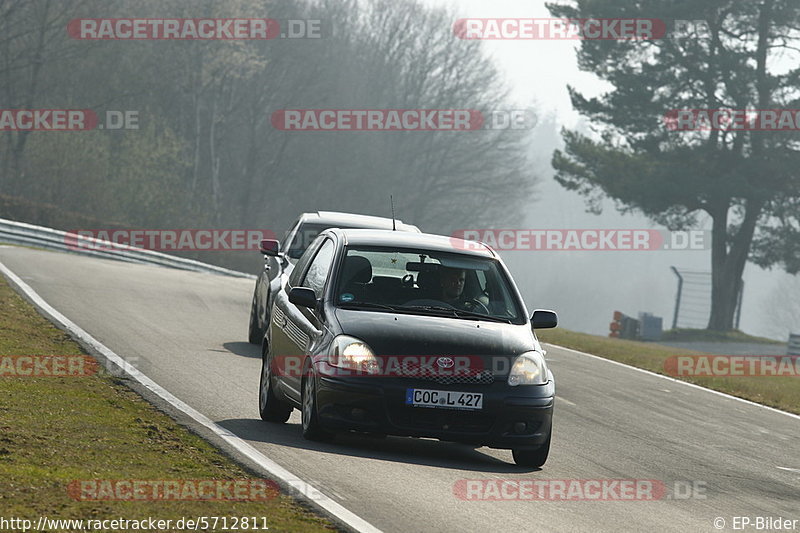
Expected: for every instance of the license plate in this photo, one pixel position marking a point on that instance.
(444, 399)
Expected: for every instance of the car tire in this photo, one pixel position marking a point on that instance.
(254, 336)
(310, 419)
(269, 406)
(532, 457)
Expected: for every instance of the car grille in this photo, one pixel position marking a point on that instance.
(483, 377)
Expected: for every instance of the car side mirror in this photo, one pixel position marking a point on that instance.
(270, 247)
(544, 319)
(303, 296)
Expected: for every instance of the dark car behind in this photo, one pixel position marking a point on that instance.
(278, 264)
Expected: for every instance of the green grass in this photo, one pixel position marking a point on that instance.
(54, 430)
(779, 392)
(705, 335)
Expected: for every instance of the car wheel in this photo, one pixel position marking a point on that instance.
(533, 457)
(254, 333)
(270, 407)
(311, 426)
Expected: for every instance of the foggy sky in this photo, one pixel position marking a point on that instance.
(586, 287)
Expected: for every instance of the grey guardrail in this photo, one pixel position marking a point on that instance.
(12, 232)
(793, 346)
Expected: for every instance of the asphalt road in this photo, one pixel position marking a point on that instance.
(187, 331)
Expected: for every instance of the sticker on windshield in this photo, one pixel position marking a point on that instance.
(347, 297)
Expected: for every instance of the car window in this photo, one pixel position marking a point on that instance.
(417, 278)
(318, 271)
(302, 263)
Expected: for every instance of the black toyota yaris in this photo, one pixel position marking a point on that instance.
(408, 334)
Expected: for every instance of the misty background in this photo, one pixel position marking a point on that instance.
(206, 156)
(586, 287)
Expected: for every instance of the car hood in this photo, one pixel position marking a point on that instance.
(404, 334)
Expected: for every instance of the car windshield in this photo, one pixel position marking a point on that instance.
(426, 282)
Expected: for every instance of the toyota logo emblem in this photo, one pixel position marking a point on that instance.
(445, 362)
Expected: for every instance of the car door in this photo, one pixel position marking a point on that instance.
(301, 327)
(279, 342)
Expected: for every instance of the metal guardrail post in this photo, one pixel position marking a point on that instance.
(677, 298)
(739, 304)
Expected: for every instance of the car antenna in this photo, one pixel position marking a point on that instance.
(391, 200)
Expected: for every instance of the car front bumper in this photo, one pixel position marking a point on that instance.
(510, 417)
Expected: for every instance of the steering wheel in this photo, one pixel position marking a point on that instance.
(476, 306)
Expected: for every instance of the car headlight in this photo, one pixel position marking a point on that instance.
(528, 369)
(353, 354)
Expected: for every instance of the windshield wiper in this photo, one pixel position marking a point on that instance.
(366, 305)
(452, 311)
(460, 313)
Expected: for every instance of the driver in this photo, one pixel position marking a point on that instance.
(452, 282)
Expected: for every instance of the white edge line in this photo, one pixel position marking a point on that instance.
(308, 492)
(693, 385)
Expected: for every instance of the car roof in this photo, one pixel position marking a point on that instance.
(425, 241)
(355, 220)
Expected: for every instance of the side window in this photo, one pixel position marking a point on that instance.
(318, 271)
(302, 263)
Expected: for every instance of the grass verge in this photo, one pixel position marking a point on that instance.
(55, 430)
(779, 392)
(705, 335)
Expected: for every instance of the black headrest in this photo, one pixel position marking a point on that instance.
(357, 269)
(428, 279)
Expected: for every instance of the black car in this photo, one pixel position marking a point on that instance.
(364, 337)
(280, 257)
